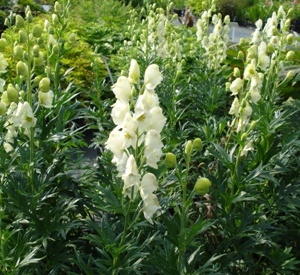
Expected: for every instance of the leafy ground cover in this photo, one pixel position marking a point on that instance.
(197, 143)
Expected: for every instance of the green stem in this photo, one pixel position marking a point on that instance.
(183, 216)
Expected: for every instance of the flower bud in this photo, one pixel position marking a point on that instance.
(197, 144)
(44, 85)
(270, 48)
(29, 17)
(188, 147)
(202, 186)
(36, 50)
(290, 74)
(57, 7)
(72, 38)
(134, 72)
(18, 53)
(170, 160)
(253, 124)
(2, 44)
(2, 109)
(20, 23)
(22, 36)
(37, 31)
(290, 38)
(12, 93)
(244, 136)
(241, 55)
(55, 19)
(38, 61)
(22, 68)
(55, 49)
(236, 72)
(290, 56)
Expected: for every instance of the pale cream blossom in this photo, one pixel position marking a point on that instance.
(248, 147)
(131, 178)
(46, 99)
(236, 86)
(119, 110)
(122, 89)
(150, 207)
(24, 116)
(134, 72)
(152, 77)
(235, 106)
(153, 148)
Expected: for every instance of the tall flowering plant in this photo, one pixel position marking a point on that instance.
(136, 140)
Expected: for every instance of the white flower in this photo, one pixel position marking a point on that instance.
(24, 116)
(115, 141)
(152, 77)
(255, 95)
(250, 71)
(131, 178)
(45, 99)
(236, 86)
(134, 72)
(129, 130)
(122, 89)
(119, 110)
(248, 147)
(153, 147)
(151, 205)
(234, 110)
(148, 185)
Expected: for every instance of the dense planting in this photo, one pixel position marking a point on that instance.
(133, 145)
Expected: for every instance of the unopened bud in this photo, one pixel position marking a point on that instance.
(290, 74)
(188, 147)
(22, 69)
(290, 38)
(55, 49)
(290, 56)
(236, 72)
(202, 186)
(22, 36)
(241, 55)
(197, 144)
(29, 17)
(270, 48)
(18, 52)
(2, 109)
(170, 160)
(37, 31)
(36, 50)
(44, 85)
(244, 136)
(38, 61)
(253, 124)
(57, 7)
(72, 38)
(2, 44)
(12, 93)
(55, 19)
(20, 23)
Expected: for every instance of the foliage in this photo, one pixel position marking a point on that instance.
(197, 141)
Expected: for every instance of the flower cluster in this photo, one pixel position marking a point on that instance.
(156, 35)
(136, 141)
(214, 43)
(17, 98)
(266, 56)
